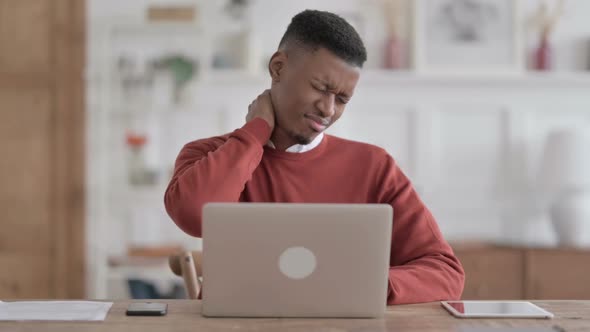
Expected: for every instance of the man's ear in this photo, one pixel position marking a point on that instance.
(276, 65)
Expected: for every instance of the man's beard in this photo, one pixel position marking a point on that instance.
(300, 139)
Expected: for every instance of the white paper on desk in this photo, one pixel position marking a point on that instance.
(54, 310)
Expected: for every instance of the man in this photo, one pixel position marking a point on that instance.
(281, 154)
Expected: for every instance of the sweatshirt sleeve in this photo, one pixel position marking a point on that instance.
(423, 267)
(207, 172)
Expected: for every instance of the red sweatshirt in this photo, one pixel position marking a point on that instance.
(238, 167)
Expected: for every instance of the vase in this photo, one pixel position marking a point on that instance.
(393, 55)
(571, 219)
(542, 54)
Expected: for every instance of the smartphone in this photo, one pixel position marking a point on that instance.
(147, 309)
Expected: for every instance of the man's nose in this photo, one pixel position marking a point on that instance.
(327, 105)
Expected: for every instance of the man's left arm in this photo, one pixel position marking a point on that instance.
(423, 267)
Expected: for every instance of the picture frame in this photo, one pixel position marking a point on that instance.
(467, 37)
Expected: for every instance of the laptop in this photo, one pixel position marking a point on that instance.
(295, 260)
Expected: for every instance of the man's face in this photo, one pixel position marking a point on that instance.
(311, 92)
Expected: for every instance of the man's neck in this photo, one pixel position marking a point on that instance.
(281, 140)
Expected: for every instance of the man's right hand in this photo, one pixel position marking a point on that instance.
(261, 107)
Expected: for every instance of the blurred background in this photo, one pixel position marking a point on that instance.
(484, 104)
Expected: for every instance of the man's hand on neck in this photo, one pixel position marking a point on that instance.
(261, 107)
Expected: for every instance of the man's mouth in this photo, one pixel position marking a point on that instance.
(317, 123)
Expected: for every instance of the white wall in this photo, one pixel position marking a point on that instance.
(455, 122)
(270, 18)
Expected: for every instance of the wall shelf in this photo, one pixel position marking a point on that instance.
(523, 79)
(385, 77)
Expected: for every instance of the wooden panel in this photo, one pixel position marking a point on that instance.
(24, 236)
(24, 80)
(492, 273)
(558, 274)
(25, 194)
(25, 133)
(25, 140)
(28, 164)
(22, 276)
(42, 141)
(25, 35)
(68, 149)
(25, 108)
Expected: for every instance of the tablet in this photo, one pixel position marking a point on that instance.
(495, 309)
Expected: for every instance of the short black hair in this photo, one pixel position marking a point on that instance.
(315, 29)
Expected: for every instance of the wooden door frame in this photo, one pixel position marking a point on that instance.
(69, 146)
